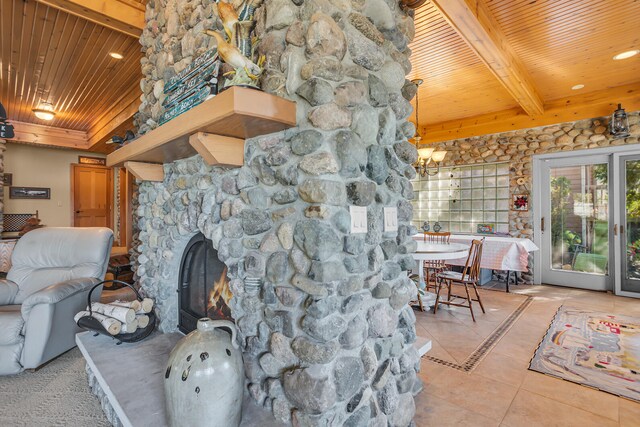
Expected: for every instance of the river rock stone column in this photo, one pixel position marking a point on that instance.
(327, 339)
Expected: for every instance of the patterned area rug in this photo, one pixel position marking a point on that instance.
(594, 349)
(56, 395)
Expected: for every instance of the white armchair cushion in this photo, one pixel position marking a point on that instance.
(11, 324)
(56, 293)
(57, 254)
(8, 291)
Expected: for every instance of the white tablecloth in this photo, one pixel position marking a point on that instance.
(498, 252)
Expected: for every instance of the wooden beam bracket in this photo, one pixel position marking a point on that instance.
(146, 171)
(218, 150)
(30, 133)
(579, 107)
(474, 22)
(120, 15)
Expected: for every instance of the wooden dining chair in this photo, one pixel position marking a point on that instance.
(436, 266)
(418, 296)
(469, 277)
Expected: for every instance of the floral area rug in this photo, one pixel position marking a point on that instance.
(598, 350)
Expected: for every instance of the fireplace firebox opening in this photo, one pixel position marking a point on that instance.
(204, 286)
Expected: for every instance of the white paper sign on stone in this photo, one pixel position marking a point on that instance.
(358, 219)
(390, 219)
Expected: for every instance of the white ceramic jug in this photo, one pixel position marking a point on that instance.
(204, 379)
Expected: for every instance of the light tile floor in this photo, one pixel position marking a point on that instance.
(501, 391)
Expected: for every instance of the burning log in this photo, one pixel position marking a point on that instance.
(219, 298)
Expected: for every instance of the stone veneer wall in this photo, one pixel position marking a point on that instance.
(3, 146)
(327, 339)
(518, 147)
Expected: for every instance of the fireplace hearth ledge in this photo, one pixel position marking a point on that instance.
(132, 389)
(130, 377)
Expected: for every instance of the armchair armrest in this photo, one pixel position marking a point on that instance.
(56, 293)
(8, 291)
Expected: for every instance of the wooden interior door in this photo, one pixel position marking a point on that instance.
(92, 196)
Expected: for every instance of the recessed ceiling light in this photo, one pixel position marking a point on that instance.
(116, 55)
(627, 54)
(577, 87)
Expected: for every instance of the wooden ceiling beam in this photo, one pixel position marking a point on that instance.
(478, 28)
(121, 15)
(29, 133)
(119, 113)
(586, 106)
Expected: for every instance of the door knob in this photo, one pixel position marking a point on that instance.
(78, 211)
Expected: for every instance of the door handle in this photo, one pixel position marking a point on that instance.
(542, 224)
(621, 229)
(615, 229)
(78, 211)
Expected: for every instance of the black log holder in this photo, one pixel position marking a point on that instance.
(92, 324)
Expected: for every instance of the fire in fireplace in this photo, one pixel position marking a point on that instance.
(204, 286)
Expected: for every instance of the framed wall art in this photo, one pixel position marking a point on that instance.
(7, 179)
(87, 160)
(520, 202)
(29, 193)
(485, 228)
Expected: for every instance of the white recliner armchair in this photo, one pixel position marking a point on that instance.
(53, 269)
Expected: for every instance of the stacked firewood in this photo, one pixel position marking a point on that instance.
(120, 316)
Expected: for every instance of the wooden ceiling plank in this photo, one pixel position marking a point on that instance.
(49, 55)
(84, 68)
(571, 29)
(70, 73)
(41, 55)
(106, 85)
(526, 18)
(31, 30)
(17, 28)
(114, 77)
(53, 54)
(73, 76)
(579, 107)
(563, 11)
(117, 15)
(91, 69)
(29, 133)
(61, 68)
(474, 22)
(118, 114)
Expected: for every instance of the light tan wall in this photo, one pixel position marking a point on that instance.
(33, 166)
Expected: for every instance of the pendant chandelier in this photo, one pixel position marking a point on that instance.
(428, 163)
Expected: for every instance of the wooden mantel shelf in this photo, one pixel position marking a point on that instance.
(215, 129)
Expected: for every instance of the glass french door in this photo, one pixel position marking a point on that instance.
(628, 216)
(576, 222)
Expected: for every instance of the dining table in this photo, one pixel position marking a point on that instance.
(499, 253)
(431, 251)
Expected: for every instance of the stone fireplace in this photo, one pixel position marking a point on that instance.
(203, 286)
(322, 313)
